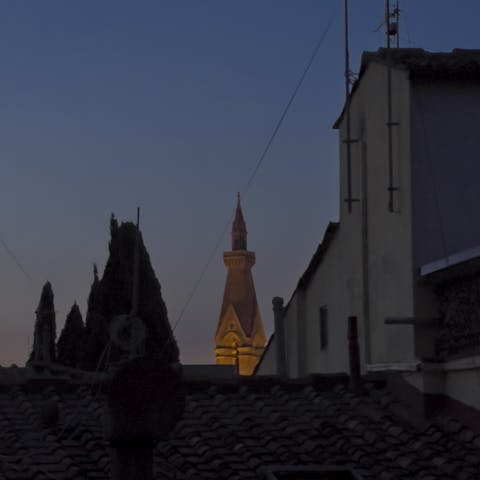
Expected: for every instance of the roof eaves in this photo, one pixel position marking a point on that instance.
(316, 259)
(459, 64)
(318, 256)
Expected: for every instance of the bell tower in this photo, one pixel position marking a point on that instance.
(240, 337)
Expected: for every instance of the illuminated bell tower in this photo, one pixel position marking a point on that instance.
(240, 338)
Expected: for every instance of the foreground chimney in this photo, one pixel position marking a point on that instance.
(354, 355)
(145, 401)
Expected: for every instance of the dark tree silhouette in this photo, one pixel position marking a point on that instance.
(45, 327)
(96, 334)
(70, 343)
(112, 296)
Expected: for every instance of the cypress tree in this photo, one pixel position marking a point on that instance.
(45, 327)
(70, 343)
(96, 334)
(112, 296)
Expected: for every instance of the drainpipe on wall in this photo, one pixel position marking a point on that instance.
(279, 315)
(365, 255)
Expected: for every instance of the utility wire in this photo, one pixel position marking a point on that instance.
(203, 272)
(290, 101)
(257, 167)
(15, 259)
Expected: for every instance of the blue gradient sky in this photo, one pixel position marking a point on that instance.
(108, 105)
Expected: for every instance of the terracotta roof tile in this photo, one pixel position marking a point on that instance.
(237, 431)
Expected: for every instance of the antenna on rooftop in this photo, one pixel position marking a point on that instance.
(136, 336)
(391, 32)
(392, 22)
(348, 141)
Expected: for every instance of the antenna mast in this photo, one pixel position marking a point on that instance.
(392, 22)
(348, 141)
(134, 332)
(391, 31)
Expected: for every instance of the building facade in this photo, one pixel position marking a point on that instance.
(240, 337)
(407, 230)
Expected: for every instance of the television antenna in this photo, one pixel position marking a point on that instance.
(391, 23)
(349, 200)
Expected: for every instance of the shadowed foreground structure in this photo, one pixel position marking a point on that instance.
(51, 428)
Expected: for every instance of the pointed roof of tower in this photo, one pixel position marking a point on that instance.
(239, 290)
(239, 229)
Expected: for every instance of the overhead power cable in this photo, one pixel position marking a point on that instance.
(257, 165)
(15, 259)
(290, 101)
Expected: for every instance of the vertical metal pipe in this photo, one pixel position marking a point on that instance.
(387, 21)
(134, 333)
(348, 140)
(136, 268)
(365, 252)
(391, 188)
(397, 19)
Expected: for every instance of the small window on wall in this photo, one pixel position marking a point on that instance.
(323, 323)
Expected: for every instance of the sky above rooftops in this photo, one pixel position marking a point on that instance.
(168, 105)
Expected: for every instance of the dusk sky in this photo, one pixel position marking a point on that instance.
(167, 105)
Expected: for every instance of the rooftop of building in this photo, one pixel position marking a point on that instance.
(422, 65)
(234, 428)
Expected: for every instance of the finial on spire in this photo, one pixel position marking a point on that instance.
(239, 229)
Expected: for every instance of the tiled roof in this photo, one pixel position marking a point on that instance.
(457, 64)
(231, 430)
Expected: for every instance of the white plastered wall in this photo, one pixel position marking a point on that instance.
(389, 251)
(457, 379)
(339, 282)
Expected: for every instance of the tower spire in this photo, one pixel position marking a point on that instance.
(240, 336)
(239, 229)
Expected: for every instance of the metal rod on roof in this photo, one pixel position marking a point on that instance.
(136, 269)
(391, 188)
(135, 290)
(348, 141)
(387, 21)
(397, 20)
